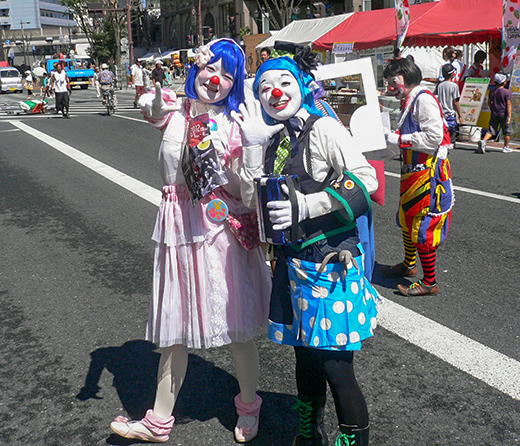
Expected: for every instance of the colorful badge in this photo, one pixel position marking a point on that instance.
(217, 210)
(349, 184)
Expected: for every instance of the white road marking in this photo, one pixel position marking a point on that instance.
(131, 119)
(470, 191)
(479, 361)
(138, 188)
(10, 130)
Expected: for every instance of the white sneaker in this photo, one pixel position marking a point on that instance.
(481, 147)
(507, 149)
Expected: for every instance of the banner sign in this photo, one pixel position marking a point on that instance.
(472, 97)
(402, 12)
(510, 34)
(514, 86)
(343, 48)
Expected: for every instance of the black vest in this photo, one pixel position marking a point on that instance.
(315, 228)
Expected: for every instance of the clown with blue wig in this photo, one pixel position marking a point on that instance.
(204, 294)
(310, 182)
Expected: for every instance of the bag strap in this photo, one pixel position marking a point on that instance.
(294, 208)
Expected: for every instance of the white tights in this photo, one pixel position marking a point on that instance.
(174, 363)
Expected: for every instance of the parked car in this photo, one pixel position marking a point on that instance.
(10, 80)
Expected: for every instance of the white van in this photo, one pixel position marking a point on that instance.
(10, 80)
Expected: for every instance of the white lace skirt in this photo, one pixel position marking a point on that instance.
(207, 289)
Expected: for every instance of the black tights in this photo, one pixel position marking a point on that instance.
(314, 368)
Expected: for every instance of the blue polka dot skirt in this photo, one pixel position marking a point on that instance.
(332, 310)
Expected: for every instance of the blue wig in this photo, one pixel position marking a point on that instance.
(304, 81)
(233, 62)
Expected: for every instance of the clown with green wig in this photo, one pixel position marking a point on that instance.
(321, 303)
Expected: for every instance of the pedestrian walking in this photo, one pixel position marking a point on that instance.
(147, 77)
(211, 283)
(29, 84)
(138, 81)
(448, 94)
(321, 303)
(61, 84)
(95, 80)
(426, 198)
(158, 74)
(501, 106)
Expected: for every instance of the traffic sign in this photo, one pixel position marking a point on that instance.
(193, 11)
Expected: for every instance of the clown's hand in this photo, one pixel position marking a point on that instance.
(157, 108)
(280, 212)
(254, 129)
(392, 140)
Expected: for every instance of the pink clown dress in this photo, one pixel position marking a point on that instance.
(208, 290)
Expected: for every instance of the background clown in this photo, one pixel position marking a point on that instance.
(203, 291)
(426, 195)
(324, 315)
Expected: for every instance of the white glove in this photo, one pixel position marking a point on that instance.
(156, 108)
(254, 129)
(281, 211)
(392, 140)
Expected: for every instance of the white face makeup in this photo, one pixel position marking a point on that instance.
(213, 83)
(279, 94)
(397, 87)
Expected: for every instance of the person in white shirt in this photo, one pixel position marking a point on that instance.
(95, 80)
(29, 84)
(138, 81)
(61, 84)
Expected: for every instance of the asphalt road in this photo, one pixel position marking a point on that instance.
(76, 271)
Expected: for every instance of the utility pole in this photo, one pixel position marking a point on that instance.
(130, 40)
(201, 35)
(95, 7)
(24, 42)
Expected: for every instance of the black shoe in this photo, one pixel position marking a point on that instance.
(352, 436)
(135, 104)
(312, 431)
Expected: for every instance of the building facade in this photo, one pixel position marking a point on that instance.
(31, 29)
(231, 18)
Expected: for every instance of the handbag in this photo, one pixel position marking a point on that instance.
(245, 228)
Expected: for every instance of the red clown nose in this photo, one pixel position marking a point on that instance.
(277, 93)
(215, 80)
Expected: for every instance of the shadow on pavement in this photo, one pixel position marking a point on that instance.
(207, 392)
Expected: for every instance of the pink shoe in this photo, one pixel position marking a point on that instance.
(248, 417)
(150, 428)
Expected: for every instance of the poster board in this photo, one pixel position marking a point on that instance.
(514, 86)
(366, 124)
(472, 97)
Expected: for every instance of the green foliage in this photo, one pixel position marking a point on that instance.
(245, 31)
(104, 43)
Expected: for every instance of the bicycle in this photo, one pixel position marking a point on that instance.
(108, 101)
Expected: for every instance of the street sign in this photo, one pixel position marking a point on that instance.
(193, 12)
(8, 42)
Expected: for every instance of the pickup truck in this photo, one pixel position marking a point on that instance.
(78, 75)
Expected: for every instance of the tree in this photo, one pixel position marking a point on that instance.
(104, 31)
(79, 9)
(24, 43)
(280, 11)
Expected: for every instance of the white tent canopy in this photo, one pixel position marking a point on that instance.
(148, 57)
(429, 59)
(304, 32)
(168, 54)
